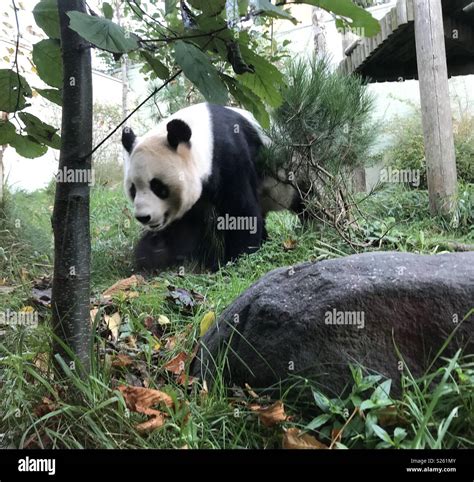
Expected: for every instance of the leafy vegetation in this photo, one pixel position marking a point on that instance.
(42, 410)
(406, 149)
(215, 51)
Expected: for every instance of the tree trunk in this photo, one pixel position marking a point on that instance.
(358, 180)
(71, 282)
(435, 106)
(4, 117)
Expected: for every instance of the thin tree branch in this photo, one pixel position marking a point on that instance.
(138, 107)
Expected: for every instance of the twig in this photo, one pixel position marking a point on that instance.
(139, 106)
(339, 432)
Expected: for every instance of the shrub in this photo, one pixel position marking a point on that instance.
(320, 133)
(406, 148)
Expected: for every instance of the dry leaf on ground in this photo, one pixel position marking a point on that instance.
(155, 422)
(113, 324)
(250, 391)
(139, 399)
(270, 415)
(177, 364)
(121, 360)
(207, 321)
(295, 439)
(123, 285)
(289, 244)
(46, 406)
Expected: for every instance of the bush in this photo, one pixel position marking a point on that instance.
(406, 149)
(325, 117)
(321, 133)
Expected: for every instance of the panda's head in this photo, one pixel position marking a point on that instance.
(160, 174)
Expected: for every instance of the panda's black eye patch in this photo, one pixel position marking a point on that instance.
(159, 189)
(133, 191)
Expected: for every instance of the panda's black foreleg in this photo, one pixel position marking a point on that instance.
(243, 226)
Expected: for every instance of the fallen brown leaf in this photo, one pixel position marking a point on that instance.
(185, 379)
(295, 439)
(270, 415)
(123, 285)
(140, 400)
(170, 343)
(177, 364)
(390, 416)
(93, 314)
(113, 324)
(289, 244)
(121, 360)
(153, 423)
(250, 391)
(46, 406)
(41, 362)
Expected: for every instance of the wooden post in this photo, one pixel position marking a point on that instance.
(435, 105)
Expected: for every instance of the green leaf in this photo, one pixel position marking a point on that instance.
(53, 95)
(102, 33)
(40, 131)
(318, 421)
(199, 70)
(208, 7)
(243, 7)
(13, 90)
(382, 392)
(107, 10)
(170, 5)
(367, 404)
(266, 80)
(321, 401)
(399, 434)
(47, 17)
(271, 10)
(27, 146)
(7, 132)
(361, 19)
(249, 100)
(158, 67)
(48, 61)
(382, 434)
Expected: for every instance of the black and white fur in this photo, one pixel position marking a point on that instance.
(197, 164)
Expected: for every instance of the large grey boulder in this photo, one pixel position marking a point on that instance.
(316, 318)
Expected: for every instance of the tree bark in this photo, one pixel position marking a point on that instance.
(71, 282)
(358, 180)
(4, 117)
(435, 106)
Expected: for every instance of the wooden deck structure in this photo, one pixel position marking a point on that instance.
(391, 55)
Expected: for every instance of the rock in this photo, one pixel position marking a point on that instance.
(315, 319)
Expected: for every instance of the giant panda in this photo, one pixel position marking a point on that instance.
(193, 171)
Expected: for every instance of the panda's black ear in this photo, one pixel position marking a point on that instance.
(128, 139)
(178, 131)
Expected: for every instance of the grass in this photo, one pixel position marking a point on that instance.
(39, 408)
